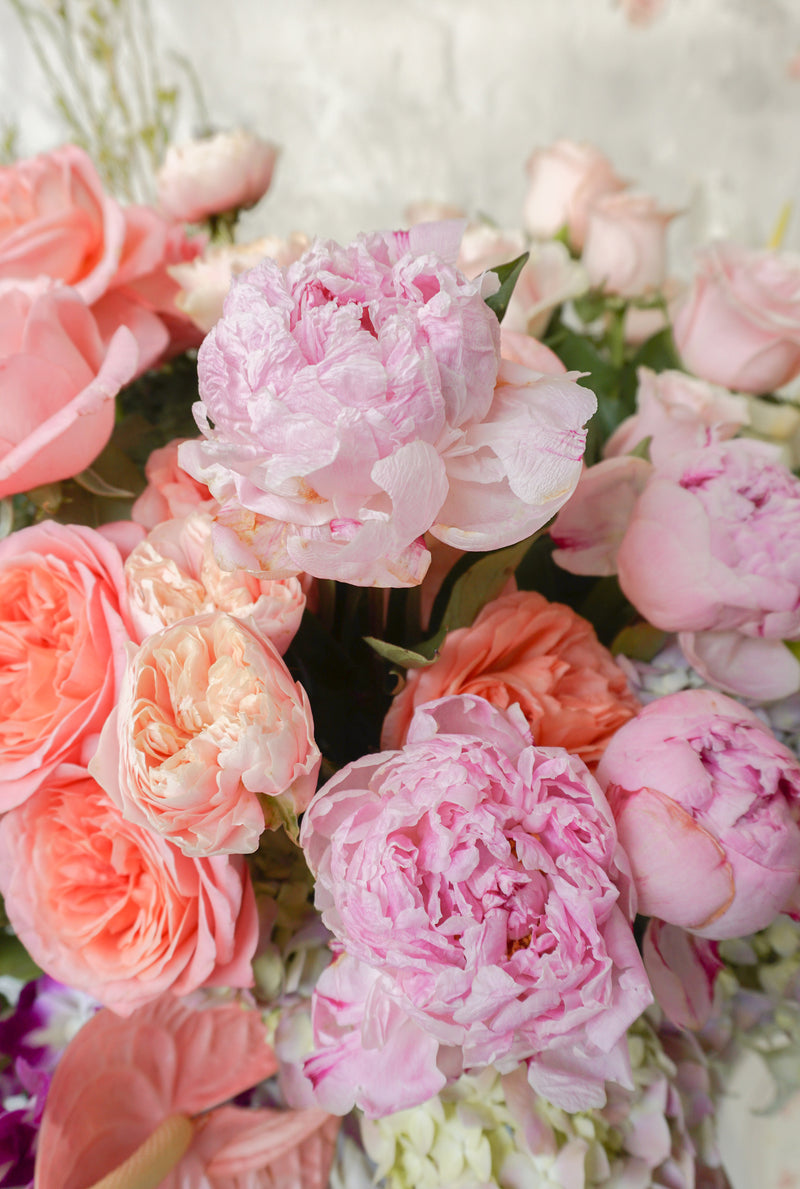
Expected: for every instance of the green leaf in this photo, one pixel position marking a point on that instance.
(640, 641)
(481, 583)
(794, 647)
(642, 449)
(405, 658)
(590, 306)
(15, 959)
(658, 353)
(508, 275)
(91, 481)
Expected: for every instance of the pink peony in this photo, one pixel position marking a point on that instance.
(215, 174)
(170, 493)
(590, 529)
(56, 221)
(173, 574)
(471, 881)
(713, 546)
(707, 804)
(112, 909)
(166, 1070)
(211, 741)
(65, 623)
(677, 413)
(563, 182)
(58, 381)
(739, 325)
(625, 250)
(351, 402)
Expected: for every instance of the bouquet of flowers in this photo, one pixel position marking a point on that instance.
(401, 692)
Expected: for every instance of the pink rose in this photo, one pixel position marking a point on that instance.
(588, 532)
(56, 221)
(65, 623)
(170, 493)
(739, 325)
(563, 181)
(173, 574)
(107, 907)
(707, 804)
(58, 382)
(213, 175)
(471, 879)
(206, 281)
(211, 741)
(677, 413)
(713, 545)
(625, 249)
(142, 294)
(370, 412)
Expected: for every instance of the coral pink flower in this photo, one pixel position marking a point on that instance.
(56, 221)
(471, 880)
(739, 325)
(351, 402)
(215, 174)
(173, 574)
(170, 493)
(166, 1069)
(541, 656)
(707, 803)
(64, 616)
(211, 741)
(58, 381)
(110, 908)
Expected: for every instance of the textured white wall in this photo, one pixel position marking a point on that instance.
(379, 102)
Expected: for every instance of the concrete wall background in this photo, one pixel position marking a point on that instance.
(380, 102)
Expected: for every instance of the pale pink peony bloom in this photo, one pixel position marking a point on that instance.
(121, 1080)
(713, 545)
(215, 174)
(563, 182)
(707, 803)
(211, 741)
(471, 880)
(589, 530)
(677, 413)
(355, 405)
(113, 909)
(739, 325)
(683, 970)
(548, 278)
(58, 381)
(170, 493)
(625, 248)
(65, 623)
(56, 221)
(173, 574)
(206, 281)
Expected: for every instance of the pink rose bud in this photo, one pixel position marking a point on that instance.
(739, 325)
(707, 804)
(170, 493)
(625, 249)
(212, 741)
(563, 181)
(215, 174)
(58, 381)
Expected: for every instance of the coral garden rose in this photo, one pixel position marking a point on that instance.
(173, 574)
(625, 250)
(205, 282)
(215, 174)
(113, 909)
(713, 546)
(58, 381)
(739, 324)
(211, 741)
(707, 803)
(563, 182)
(541, 656)
(65, 623)
(56, 221)
(677, 412)
(170, 493)
(471, 882)
(352, 402)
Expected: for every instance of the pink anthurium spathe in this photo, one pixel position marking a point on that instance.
(135, 1103)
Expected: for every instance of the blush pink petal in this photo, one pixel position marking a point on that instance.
(682, 969)
(521, 348)
(589, 530)
(751, 667)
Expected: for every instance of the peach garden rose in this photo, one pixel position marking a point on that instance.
(212, 741)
